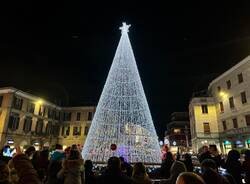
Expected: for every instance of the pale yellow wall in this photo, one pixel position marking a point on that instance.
(210, 117)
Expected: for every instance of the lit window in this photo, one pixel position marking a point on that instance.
(177, 130)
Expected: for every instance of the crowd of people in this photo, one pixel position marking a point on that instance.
(67, 167)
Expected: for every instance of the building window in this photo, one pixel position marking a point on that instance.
(49, 128)
(13, 121)
(77, 131)
(228, 84)
(247, 120)
(243, 97)
(27, 124)
(30, 107)
(235, 123)
(221, 107)
(17, 103)
(90, 114)
(1, 101)
(42, 110)
(78, 116)
(39, 127)
(231, 102)
(204, 109)
(206, 127)
(86, 130)
(67, 130)
(177, 130)
(67, 116)
(57, 115)
(218, 88)
(240, 78)
(50, 113)
(224, 124)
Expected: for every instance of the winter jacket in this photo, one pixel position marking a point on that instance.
(72, 172)
(25, 170)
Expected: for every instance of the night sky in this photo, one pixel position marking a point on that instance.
(62, 51)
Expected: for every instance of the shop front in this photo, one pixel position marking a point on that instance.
(238, 139)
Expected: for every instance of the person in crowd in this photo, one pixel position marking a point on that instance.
(211, 177)
(189, 178)
(126, 168)
(25, 170)
(113, 173)
(40, 162)
(4, 173)
(176, 168)
(188, 162)
(210, 164)
(89, 174)
(30, 151)
(140, 175)
(233, 165)
(166, 165)
(246, 166)
(215, 154)
(72, 169)
(205, 154)
(55, 165)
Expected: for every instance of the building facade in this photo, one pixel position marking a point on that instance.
(203, 122)
(178, 132)
(26, 119)
(230, 100)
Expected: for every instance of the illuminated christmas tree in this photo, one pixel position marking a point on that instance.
(122, 124)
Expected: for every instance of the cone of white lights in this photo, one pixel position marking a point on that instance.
(122, 124)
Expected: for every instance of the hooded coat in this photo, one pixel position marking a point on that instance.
(176, 168)
(72, 172)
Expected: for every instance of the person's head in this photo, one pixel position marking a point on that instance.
(74, 147)
(187, 157)
(233, 155)
(114, 164)
(139, 170)
(189, 178)
(209, 164)
(59, 147)
(88, 165)
(30, 151)
(74, 155)
(169, 156)
(211, 177)
(212, 148)
(177, 168)
(205, 149)
(122, 159)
